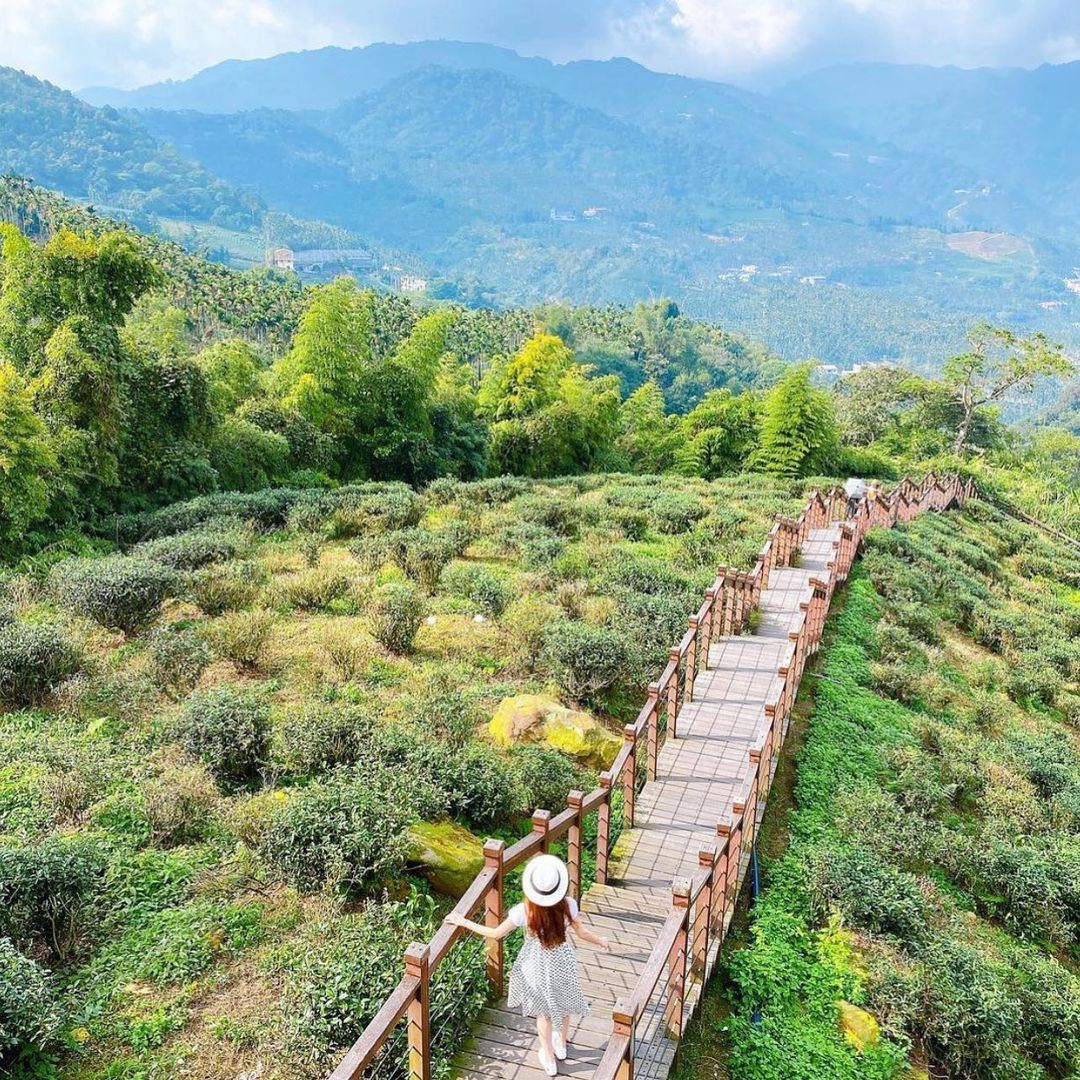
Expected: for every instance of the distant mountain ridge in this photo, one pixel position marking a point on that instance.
(821, 219)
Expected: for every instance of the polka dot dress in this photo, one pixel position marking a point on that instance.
(546, 982)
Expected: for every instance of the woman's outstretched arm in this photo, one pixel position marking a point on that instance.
(585, 934)
(496, 933)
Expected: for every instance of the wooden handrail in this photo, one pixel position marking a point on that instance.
(726, 608)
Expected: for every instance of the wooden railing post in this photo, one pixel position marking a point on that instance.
(541, 820)
(622, 1027)
(691, 657)
(574, 801)
(724, 601)
(680, 898)
(704, 916)
(652, 735)
(707, 629)
(419, 1013)
(494, 913)
(673, 695)
(629, 777)
(603, 830)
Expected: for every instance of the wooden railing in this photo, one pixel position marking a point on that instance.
(703, 906)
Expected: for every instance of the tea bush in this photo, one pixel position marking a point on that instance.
(421, 554)
(35, 658)
(242, 636)
(586, 660)
(394, 615)
(229, 587)
(229, 730)
(314, 589)
(178, 656)
(29, 1014)
(347, 830)
(195, 549)
(478, 584)
(546, 777)
(46, 889)
(337, 982)
(314, 737)
(119, 592)
(481, 785)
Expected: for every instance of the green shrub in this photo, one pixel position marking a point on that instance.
(460, 532)
(1034, 681)
(421, 555)
(45, 890)
(478, 584)
(347, 830)
(229, 730)
(394, 615)
(675, 512)
(242, 636)
(178, 656)
(371, 552)
(442, 707)
(28, 1009)
(558, 515)
(337, 981)
(314, 589)
(247, 458)
(195, 549)
(481, 785)
(179, 804)
(546, 777)
(633, 524)
(217, 589)
(34, 659)
(586, 660)
(119, 592)
(870, 893)
(527, 620)
(314, 737)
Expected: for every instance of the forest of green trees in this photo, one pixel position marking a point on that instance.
(273, 556)
(116, 398)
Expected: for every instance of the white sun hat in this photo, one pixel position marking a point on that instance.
(545, 880)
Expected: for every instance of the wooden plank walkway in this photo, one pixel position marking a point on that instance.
(700, 773)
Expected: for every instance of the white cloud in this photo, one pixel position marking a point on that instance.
(128, 42)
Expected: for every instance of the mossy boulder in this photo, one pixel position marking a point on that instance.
(448, 854)
(860, 1028)
(537, 718)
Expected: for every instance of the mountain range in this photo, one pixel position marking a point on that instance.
(862, 211)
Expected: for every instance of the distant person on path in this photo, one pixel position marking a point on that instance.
(545, 982)
(854, 488)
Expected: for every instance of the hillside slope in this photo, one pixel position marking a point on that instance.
(63, 143)
(1015, 128)
(931, 876)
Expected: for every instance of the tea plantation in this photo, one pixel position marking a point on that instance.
(920, 914)
(246, 750)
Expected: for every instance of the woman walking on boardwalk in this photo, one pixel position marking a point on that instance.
(545, 981)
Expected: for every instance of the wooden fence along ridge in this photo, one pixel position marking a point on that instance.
(683, 952)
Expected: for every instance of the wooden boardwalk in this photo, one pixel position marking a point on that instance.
(700, 774)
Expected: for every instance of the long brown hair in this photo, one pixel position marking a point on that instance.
(548, 923)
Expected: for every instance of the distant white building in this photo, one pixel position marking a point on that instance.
(413, 283)
(1073, 283)
(811, 279)
(562, 215)
(281, 258)
(593, 211)
(828, 370)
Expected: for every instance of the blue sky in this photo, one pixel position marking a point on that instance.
(126, 43)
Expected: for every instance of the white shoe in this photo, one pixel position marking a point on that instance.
(559, 1045)
(547, 1063)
